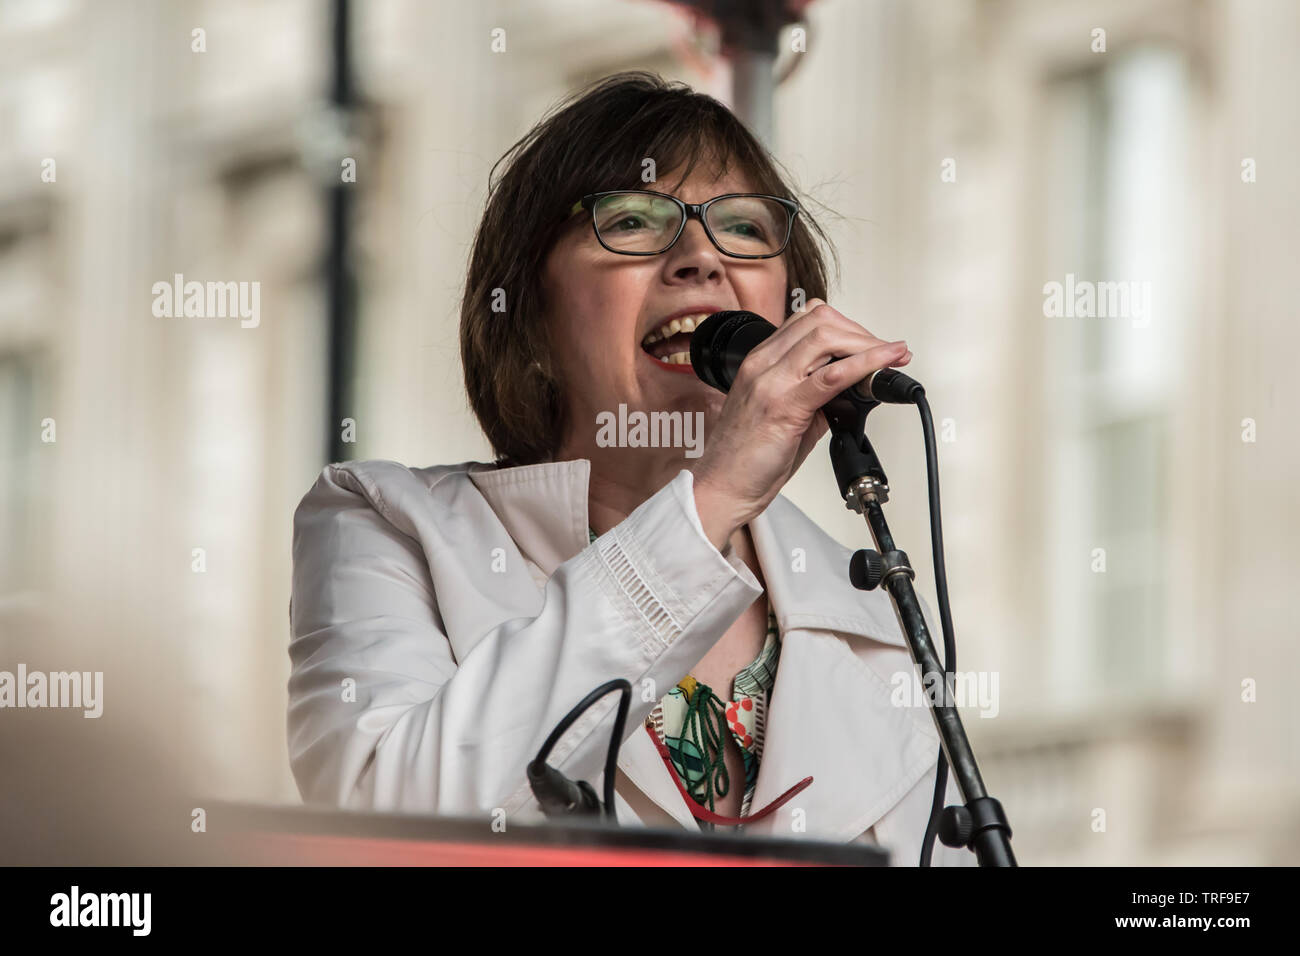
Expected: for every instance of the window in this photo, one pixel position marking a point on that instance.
(1114, 171)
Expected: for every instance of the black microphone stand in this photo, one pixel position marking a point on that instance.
(980, 825)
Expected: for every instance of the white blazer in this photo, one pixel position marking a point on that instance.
(445, 619)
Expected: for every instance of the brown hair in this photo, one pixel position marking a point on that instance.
(597, 139)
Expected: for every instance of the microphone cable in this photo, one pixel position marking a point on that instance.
(945, 613)
(557, 794)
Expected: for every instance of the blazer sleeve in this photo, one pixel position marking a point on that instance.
(383, 716)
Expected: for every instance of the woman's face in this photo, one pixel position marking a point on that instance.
(602, 306)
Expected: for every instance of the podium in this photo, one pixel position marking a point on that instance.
(263, 835)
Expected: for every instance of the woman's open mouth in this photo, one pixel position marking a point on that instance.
(669, 346)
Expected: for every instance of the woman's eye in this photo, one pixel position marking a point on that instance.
(626, 223)
(749, 230)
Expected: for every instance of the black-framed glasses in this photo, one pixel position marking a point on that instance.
(634, 222)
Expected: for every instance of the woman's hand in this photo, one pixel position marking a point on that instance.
(771, 418)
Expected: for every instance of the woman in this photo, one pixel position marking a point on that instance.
(444, 619)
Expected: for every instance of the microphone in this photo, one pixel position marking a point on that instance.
(720, 343)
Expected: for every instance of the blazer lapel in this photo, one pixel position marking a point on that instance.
(831, 715)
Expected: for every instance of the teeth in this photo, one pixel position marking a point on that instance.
(678, 358)
(686, 323)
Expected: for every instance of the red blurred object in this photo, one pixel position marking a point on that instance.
(250, 835)
(748, 31)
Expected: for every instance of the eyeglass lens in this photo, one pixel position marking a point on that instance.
(742, 225)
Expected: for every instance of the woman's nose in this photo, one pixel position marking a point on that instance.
(694, 255)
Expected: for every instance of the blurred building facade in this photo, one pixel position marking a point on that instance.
(1116, 487)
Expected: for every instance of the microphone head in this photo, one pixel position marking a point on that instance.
(720, 343)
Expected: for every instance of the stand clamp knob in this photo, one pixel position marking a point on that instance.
(959, 824)
(867, 568)
(956, 826)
